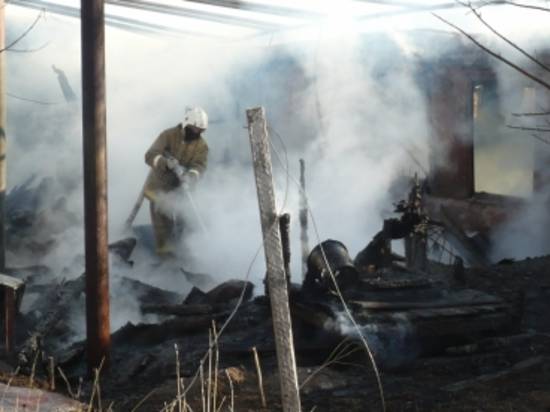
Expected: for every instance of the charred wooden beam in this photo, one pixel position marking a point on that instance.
(148, 294)
(490, 377)
(406, 306)
(432, 323)
(147, 334)
(123, 248)
(230, 290)
(180, 310)
(489, 344)
(388, 284)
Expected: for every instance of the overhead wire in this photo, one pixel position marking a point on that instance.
(26, 99)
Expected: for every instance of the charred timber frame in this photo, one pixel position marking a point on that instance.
(276, 279)
(95, 182)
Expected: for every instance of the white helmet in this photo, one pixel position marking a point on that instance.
(195, 116)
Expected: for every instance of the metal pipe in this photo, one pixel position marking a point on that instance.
(3, 119)
(95, 182)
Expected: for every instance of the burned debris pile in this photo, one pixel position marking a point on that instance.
(394, 298)
(36, 216)
(416, 314)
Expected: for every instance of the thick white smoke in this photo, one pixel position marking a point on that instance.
(393, 343)
(341, 95)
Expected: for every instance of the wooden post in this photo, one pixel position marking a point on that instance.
(278, 292)
(3, 120)
(95, 182)
(303, 218)
(12, 290)
(284, 227)
(9, 319)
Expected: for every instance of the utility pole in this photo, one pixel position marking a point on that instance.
(95, 182)
(3, 119)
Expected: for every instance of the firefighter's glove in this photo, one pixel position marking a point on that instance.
(160, 163)
(171, 163)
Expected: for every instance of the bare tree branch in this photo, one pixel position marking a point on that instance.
(531, 129)
(13, 43)
(494, 54)
(513, 3)
(507, 40)
(540, 139)
(29, 50)
(526, 6)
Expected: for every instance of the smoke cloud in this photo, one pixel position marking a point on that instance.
(340, 94)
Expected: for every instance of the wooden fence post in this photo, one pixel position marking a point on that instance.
(276, 279)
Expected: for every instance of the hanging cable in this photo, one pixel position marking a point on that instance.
(25, 99)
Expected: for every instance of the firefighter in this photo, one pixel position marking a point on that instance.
(177, 149)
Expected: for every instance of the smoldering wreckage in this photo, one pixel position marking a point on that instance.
(440, 333)
(438, 328)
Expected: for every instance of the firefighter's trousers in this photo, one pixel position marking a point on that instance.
(168, 230)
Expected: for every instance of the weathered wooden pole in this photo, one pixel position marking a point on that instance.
(95, 182)
(303, 218)
(3, 138)
(276, 280)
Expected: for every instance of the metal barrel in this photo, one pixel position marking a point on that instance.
(334, 255)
